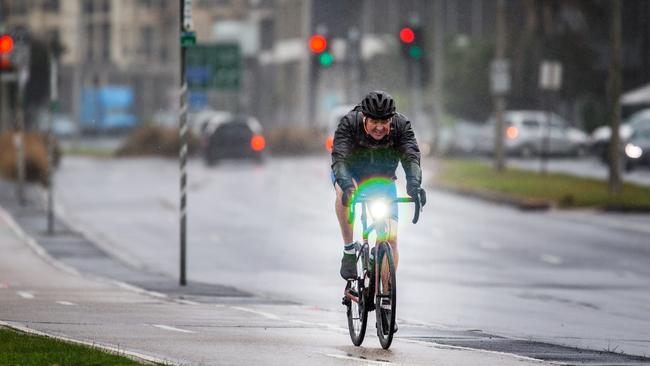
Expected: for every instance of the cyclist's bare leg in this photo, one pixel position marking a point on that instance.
(392, 240)
(342, 216)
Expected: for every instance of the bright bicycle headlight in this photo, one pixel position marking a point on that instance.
(378, 209)
(633, 151)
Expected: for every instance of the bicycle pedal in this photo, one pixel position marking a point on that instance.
(346, 301)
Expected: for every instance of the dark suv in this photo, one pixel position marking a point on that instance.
(237, 138)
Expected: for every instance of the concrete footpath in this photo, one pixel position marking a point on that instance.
(40, 294)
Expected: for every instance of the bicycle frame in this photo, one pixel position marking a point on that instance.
(382, 229)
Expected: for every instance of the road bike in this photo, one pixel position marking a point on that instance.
(369, 292)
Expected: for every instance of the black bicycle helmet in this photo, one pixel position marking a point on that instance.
(378, 105)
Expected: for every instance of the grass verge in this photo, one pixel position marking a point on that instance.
(560, 190)
(18, 348)
(89, 151)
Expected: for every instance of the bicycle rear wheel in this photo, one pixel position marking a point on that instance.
(357, 311)
(386, 298)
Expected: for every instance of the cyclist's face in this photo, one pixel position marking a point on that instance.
(377, 128)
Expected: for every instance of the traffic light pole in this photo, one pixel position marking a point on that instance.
(54, 70)
(19, 139)
(416, 88)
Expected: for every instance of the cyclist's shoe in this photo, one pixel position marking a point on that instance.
(349, 267)
(385, 306)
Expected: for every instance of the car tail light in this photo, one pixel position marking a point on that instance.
(258, 143)
(329, 143)
(512, 132)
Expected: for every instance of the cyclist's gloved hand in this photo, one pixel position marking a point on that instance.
(347, 195)
(418, 195)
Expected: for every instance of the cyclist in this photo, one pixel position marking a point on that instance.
(369, 142)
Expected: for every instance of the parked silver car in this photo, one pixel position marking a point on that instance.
(525, 133)
(599, 139)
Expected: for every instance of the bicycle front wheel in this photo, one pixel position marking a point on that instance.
(357, 311)
(386, 298)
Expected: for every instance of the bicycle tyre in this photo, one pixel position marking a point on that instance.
(385, 316)
(357, 313)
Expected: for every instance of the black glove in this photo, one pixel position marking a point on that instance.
(347, 195)
(418, 195)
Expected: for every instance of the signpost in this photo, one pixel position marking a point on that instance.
(550, 80)
(500, 86)
(187, 39)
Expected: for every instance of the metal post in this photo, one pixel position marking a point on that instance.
(546, 137)
(499, 100)
(19, 139)
(416, 88)
(2, 107)
(185, 26)
(438, 71)
(50, 142)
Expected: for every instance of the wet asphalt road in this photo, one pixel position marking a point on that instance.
(37, 296)
(578, 278)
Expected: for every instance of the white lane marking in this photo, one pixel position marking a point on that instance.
(359, 359)
(320, 325)
(187, 302)
(25, 294)
(138, 290)
(551, 259)
(261, 313)
(67, 303)
(485, 244)
(173, 329)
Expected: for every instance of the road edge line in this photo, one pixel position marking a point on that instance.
(33, 244)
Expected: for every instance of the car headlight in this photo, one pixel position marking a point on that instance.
(633, 151)
(378, 209)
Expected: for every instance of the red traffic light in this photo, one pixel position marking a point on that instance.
(6, 43)
(407, 35)
(317, 43)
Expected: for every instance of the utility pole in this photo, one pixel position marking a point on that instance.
(499, 98)
(614, 86)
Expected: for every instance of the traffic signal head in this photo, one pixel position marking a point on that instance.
(412, 42)
(318, 47)
(6, 44)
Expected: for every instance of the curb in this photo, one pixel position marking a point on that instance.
(136, 356)
(524, 204)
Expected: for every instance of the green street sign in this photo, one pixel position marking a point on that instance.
(213, 66)
(188, 39)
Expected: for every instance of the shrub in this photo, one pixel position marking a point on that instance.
(155, 140)
(291, 140)
(35, 156)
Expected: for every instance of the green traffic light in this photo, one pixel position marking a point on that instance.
(326, 58)
(415, 52)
